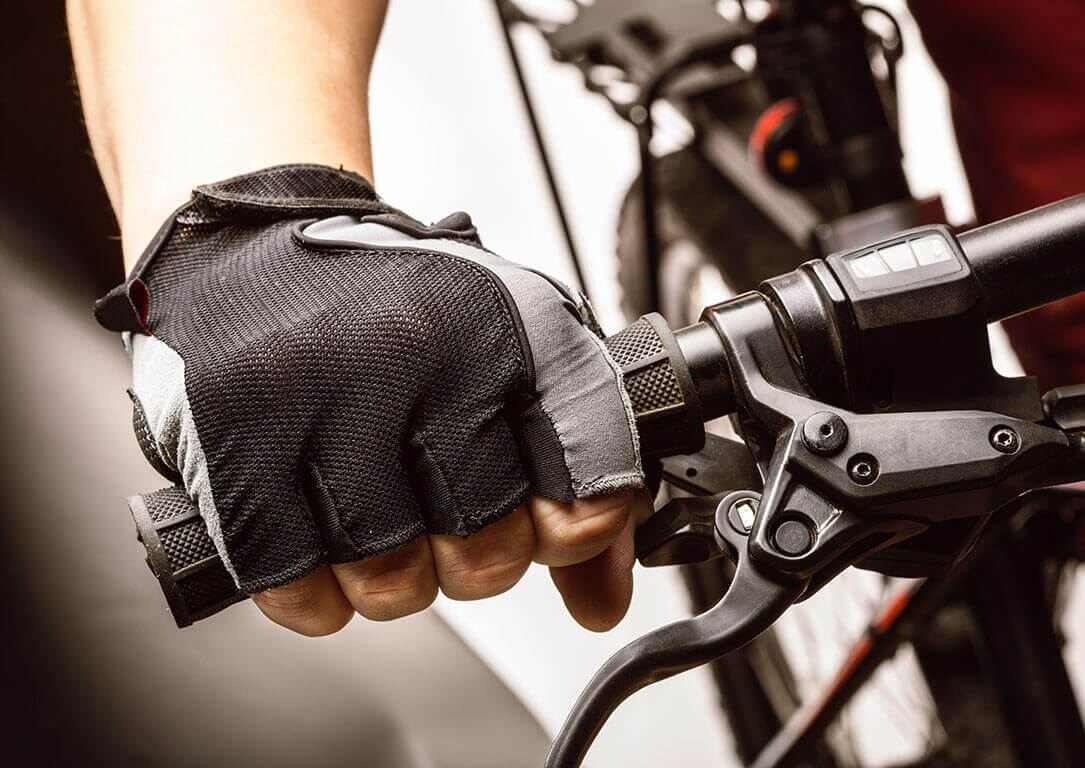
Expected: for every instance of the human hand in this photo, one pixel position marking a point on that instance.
(367, 409)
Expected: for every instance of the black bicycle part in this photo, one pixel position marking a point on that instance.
(895, 477)
(1029, 259)
(680, 51)
(815, 51)
(182, 556)
(753, 602)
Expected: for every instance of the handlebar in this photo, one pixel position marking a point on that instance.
(837, 317)
(1030, 259)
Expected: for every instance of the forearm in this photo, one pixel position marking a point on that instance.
(177, 94)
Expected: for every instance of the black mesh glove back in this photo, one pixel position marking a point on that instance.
(330, 379)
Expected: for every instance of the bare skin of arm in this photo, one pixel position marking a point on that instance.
(178, 94)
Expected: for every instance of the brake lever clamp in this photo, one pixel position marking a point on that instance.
(838, 486)
(860, 482)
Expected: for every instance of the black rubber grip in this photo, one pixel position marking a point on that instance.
(182, 556)
(196, 583)
(660, 387)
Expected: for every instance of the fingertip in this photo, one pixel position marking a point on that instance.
(597, 593)
(642, 506)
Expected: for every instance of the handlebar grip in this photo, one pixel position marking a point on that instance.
(660, 386)
(182, 556)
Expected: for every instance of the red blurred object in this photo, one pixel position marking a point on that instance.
(1016, 76)
(769, 122)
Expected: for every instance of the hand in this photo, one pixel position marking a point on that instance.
(362, 405)
(587, 544)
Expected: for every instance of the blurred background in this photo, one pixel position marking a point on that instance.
(89, 641)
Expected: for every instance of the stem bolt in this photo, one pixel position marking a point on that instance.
(1005, 440)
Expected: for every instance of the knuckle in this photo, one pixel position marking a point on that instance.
(474, 578)
(296, 599)
(300, 607)
(389, 593)
(598, 524)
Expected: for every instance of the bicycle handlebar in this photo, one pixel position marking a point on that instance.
(1030, 259)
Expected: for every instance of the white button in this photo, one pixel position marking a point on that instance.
(868, 266)
(899, 257)
(931, 250)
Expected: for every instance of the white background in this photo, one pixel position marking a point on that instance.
(449, 133)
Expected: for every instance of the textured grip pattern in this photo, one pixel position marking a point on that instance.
(660, 386)
(648, 375)
(182, 556)
(634, 343)
(186, 544)
(653, 388)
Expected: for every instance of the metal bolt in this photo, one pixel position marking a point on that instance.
(863, 469)
(742, 513)
(793, 537)
(825, 433)
(1005, 440)
(736, 511)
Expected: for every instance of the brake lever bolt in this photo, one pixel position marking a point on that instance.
(825, 433)
(1005, 440)
(793, 537)
(863, 469)
(742, 511)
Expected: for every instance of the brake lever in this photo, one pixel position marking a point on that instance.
(754, 600)
(838, 486)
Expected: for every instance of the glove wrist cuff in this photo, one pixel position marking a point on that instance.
(297, 189)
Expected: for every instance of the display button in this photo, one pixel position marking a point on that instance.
(931, 250)
(899, 257)
(868, 266)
